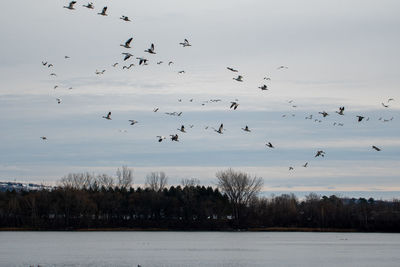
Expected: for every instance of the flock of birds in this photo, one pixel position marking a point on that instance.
(234, 105)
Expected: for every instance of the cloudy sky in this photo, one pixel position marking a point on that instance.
(337, 53)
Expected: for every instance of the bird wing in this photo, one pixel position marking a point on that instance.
(104, 10)
(128, 41)
(152, 47)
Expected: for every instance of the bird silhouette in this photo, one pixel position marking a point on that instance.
(269, 145)
(234, 105)
(127, 43)
(71, 5)
(360, 118)
(239, 78)
(320, 153)
(324, 114)
(232, 69)
(246, 129)
(103, 11)
(220, 129)
(185, 43)
(89, 5)
(182, 129)
(150, 50)
(264, 87)
(160, 138)
(125, 18)
(108, 117)
(376, 148)
(133, 122)
(341, 110)
(174, 137)
(127, 56)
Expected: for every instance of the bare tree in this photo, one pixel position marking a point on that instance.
(125, 177)
(156, 181)
(239, 187)
(104, 180)
(188, 182)
(77, 181)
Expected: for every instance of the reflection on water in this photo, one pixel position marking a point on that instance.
(198, 249)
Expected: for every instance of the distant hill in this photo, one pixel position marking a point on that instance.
(17, 186)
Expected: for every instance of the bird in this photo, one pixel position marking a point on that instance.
(115, 64)
(291, 168)
(220, 129)
(127, 55)
(232, 69)
(282, 67)
(58, 100)
(182, 129)
(246, 129)
(67, 57)
(174, 137)
(150, 50)
(108, 117)
(55, 87)
(160, 138)
(89, 5)
(360, 118)
(128, 67)
(71, 5)
(50, 65)
(155, 110)
(264, 87)
(341, 110)
(133, 122)
(309, 117)
(390, 99)
(100, 72)
(169, 63)
(125, 18)
(305, 165)
(44, 63)
(320, 153)
(386, 106)
(269, 145)
(103, 12)
(185, 43)
(376, 148)
(142, 61)
(234, 105)
(239, 78)
(267, 78)
(182, 71)
(43, 137)
(324, 114)
(53, 74)
(127, 43)
(159, 62)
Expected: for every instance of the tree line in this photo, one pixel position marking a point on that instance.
(87, 201)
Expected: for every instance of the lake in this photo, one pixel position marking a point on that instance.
(169, 249)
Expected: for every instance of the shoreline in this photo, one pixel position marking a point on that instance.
(265, 229)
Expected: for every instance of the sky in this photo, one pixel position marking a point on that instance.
(337, 53)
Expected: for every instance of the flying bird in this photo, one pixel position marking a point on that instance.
(360, 118)
(376, 148)
(239, 78)
(341, 110)
(269, 145)
(386, 106)
(125, 18)
(232, 69)
(159, 62)
(390, 99)
(155, 110)
(320, 153)
(108, 117)
(89, 5)
(133, 122)
(182, 129)
(53, 74)
(103, 12)
(71, 5)
(100, 72)
(305, 165)
(234, 105)
(115, 64)
(128, 67)
(58, 100)
(181, 72)
(44, 63)
(324, 114)
(43, 137)
(264, 87)
(160, 138)
(142, 61)
(185, 43)
(282, 67)
(150, 50)
(127, 55)
(169, 63)
(174, 137)
(127, 43)
(291, 168)
(220, 129)
(50, 65)
(246, 129)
